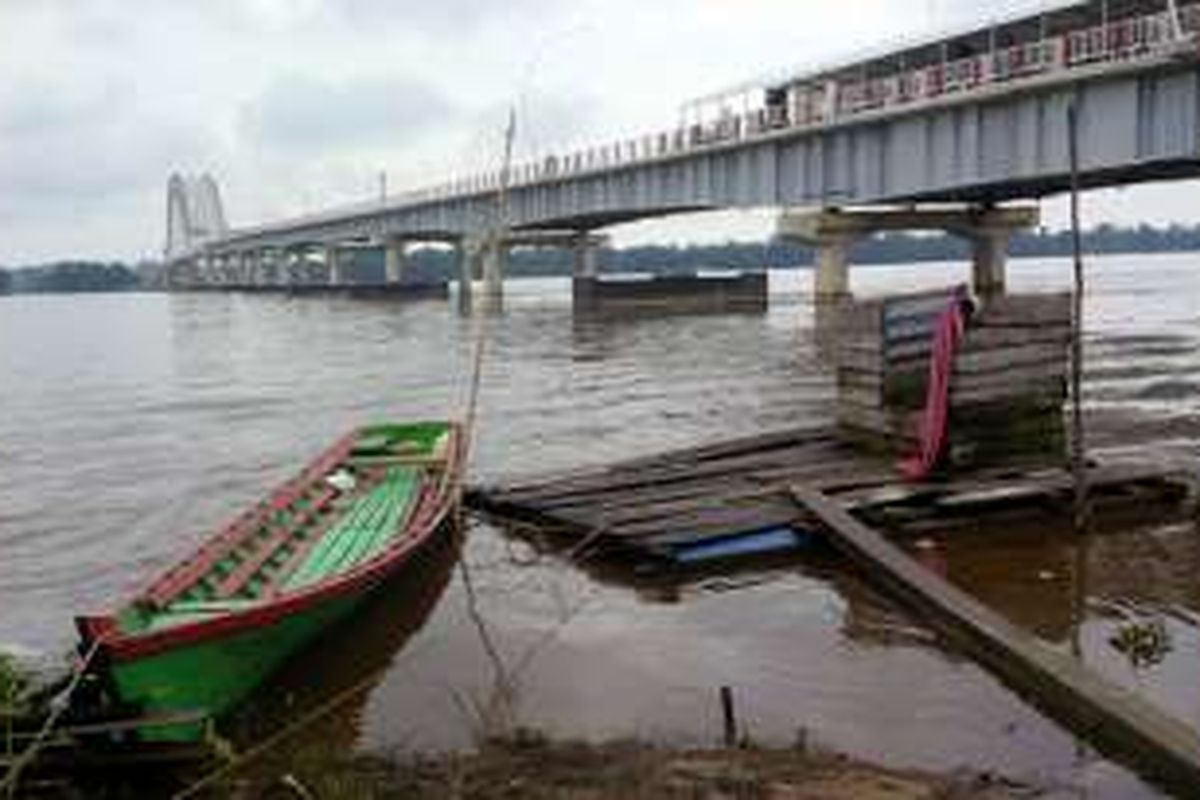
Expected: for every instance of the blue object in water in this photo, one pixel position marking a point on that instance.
(752, 543)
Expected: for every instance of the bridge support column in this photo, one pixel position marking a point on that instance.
(495, 256)
(272, 268)
(834, 231)
(989, 265)
(247, 266)
(333, 265)
(586, 257)
(394, 261)
(832, 280)
(184, 274)
(466, 276)
(296, 267)
(258, 267)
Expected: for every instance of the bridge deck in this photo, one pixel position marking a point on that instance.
(974, 117)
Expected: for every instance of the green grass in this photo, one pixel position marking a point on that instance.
(13, 682)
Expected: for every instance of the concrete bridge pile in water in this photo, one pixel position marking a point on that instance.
(936, 135)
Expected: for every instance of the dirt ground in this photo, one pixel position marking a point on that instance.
(533, 768)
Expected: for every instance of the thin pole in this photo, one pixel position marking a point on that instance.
(510, 134)
(728, 717)
(1176, 25)
(1078, 467)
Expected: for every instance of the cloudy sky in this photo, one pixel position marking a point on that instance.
(298, 104)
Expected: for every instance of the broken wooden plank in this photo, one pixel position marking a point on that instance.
(1120, 722)
(709, 522)
(1026, 310)
(758, 443)
(611, 480)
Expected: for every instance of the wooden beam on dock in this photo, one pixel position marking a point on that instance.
(1117, 720)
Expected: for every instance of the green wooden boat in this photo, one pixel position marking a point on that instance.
(204, 634)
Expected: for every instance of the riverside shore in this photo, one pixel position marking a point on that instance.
(529, 766)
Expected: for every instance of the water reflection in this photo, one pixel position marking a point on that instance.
(351, 657)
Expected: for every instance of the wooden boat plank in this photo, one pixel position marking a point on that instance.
(396, 461)
(267, 549)
(338, 538)
(405, 491)
(219, 547)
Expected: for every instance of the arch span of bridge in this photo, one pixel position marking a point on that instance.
(975, 120)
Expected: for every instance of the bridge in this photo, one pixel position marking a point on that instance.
(944, 133)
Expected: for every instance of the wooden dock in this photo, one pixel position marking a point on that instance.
(706, 499)
(1117, 720)
(661, 507)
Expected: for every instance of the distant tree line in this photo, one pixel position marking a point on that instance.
(74, 276)
(428, 264)
(884, 248)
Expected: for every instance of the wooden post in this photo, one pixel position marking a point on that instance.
(728, 716)
(1078, 467)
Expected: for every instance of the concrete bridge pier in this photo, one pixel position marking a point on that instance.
(586, 257)
(831, 283)
(834, 231)
(989, 261)
(333, 265)
(466, 276)
(210, 269)
(259, 264)
(395, 259)
(274, 262)
(295, 266)
(279, 261)
(241, 269)
(494, 258)
(185, 274)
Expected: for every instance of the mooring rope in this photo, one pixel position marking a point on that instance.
(238, 761)
(469, 417)
(9, 782)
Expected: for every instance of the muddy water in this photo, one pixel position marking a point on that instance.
(130, 425)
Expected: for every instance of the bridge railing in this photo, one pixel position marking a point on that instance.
(822, 101)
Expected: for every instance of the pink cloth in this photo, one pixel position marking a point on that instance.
(947, 335)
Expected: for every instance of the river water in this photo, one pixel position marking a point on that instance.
(132, 424)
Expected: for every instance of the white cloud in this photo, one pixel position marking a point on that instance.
(297, 104)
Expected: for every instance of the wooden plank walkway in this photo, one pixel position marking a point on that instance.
(650, 508)
(1119, 721)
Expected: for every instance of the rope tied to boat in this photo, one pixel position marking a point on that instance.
(30, 754)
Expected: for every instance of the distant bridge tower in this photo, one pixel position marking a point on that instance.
(195, 216)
